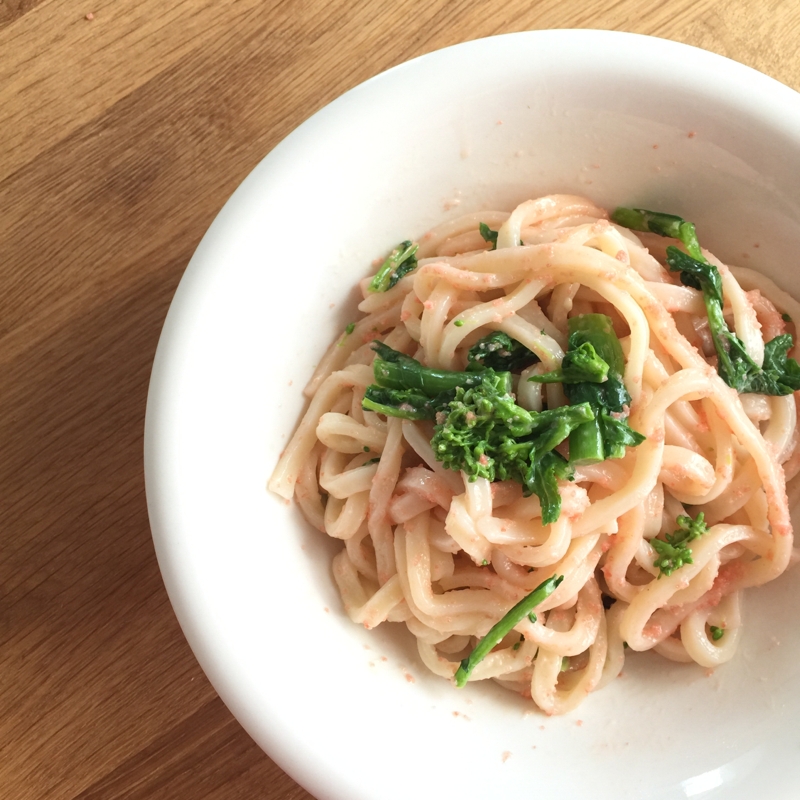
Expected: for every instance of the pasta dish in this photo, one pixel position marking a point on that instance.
(553, 436)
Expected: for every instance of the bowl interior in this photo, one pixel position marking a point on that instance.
(620, 118)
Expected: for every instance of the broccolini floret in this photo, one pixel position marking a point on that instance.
(485, 434)
(479, 429)
(674, 551)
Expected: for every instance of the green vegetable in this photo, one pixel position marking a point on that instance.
(480, 430)
(779, 375)
(403, 403)
(500, 630)
(395, 370)
(542, 479)
(580, 365)
(347, 331)
(484, 433)
(598, 331)
(488, 235)
(716, 633)
(564, 664)
(500, 352)
(638, 219)
(591, 372)
(401, 261)
(609, 435)
(459, 323)
(675, 552)
(785, 317)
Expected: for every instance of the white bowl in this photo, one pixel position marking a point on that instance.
(624, 119)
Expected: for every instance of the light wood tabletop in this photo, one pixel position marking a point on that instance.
(124, 127)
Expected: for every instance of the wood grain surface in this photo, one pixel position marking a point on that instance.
(124, 127)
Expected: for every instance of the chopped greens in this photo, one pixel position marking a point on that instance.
(395, 370)
(403, 403)
(488, 235)
(502, 628)
(401, 261)
(779, 375)
(716, 633)
(639, 219)
(500, 352)
(347, 331)
(591, 372)
(675, 551)
(479, 429)
(580, 365)
(484, 433)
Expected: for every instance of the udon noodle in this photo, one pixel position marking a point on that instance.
(448, 557)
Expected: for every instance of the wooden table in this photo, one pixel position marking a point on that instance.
(124, 127)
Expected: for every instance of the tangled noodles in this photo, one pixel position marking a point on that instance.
(457, 496)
